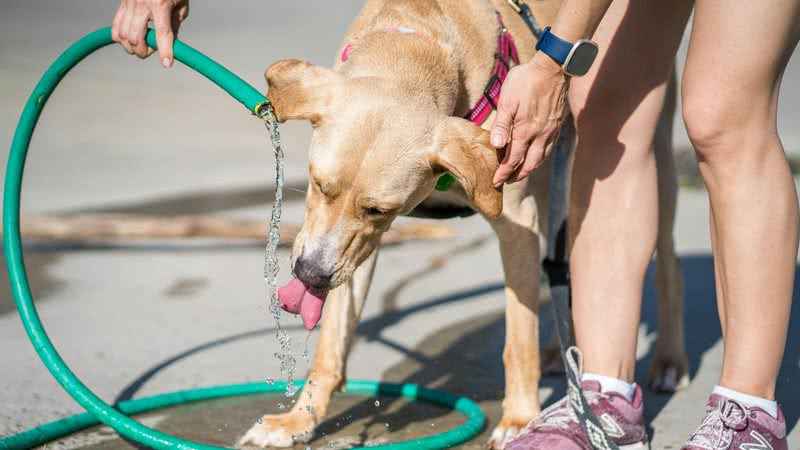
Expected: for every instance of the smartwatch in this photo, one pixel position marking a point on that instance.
(575, 59)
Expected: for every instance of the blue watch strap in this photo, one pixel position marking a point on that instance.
(554, 46)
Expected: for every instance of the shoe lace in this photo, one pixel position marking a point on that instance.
(721, 422)
(560, 414)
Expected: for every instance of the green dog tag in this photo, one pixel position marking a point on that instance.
(445, 182)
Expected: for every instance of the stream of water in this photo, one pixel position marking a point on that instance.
(288, 363)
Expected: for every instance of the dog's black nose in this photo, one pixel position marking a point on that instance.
(311, 274)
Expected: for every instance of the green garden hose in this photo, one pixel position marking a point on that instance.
(116, 416)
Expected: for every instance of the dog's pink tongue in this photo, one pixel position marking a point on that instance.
(311, 309)
(296, 298)
(291, 296)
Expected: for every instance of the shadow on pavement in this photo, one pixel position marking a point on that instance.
(703, 331)
(465, 358)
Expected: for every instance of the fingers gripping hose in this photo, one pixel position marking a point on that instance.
(115, 416)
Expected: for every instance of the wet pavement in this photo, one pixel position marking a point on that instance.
(136, 319)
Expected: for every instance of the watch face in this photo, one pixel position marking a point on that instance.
(581, 57)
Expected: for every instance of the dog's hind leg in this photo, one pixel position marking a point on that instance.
(342, 312)
(518, 234)
(669, 370)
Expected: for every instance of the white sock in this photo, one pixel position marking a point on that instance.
(611, 384)
(770, 406)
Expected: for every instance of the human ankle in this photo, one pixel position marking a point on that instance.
(749, 401)
(744, 383)
(612, 384)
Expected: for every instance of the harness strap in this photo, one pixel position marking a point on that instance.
(505, 55)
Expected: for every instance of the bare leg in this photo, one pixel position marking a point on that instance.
(342, 313)
(717, 279)
(613, 220)
(669, 370)
(730, 109)
(518, 228)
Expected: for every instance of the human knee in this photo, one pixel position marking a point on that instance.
(718, 122)
(706, 125)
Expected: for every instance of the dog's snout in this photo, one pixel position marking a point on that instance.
(309, 271)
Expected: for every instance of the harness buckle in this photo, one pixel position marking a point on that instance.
(557, 271)
(487, 92)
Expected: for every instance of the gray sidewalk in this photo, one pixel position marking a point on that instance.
(127, 136)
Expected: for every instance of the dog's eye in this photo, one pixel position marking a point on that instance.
(318, 186)
(374, 212)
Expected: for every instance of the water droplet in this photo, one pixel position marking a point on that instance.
(312, 382)
(270, 381)
(377, 403)
(294, 437)
(309, 394)
(260, 420)
(386, 424)
(291, 389)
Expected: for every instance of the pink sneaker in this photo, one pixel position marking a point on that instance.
(557, 428)
(729, 425)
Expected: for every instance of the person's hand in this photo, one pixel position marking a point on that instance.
(529, 115)
(129, 26)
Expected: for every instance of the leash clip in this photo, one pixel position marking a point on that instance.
(515, 6)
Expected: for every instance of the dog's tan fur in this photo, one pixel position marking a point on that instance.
(386, 125)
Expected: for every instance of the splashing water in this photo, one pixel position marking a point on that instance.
(305, 351)
(271, 267)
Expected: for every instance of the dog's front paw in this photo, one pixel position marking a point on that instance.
(669, 371)
(504, 433)
(282, 430)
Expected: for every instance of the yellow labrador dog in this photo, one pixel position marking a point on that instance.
(387, 125)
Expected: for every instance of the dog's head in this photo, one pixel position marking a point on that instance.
(377, 149)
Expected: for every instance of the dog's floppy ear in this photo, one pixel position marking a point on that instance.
(463, 149)
(299, 90)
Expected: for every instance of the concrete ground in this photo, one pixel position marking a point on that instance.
(121, 135)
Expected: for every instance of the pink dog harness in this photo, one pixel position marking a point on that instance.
(505, 55)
